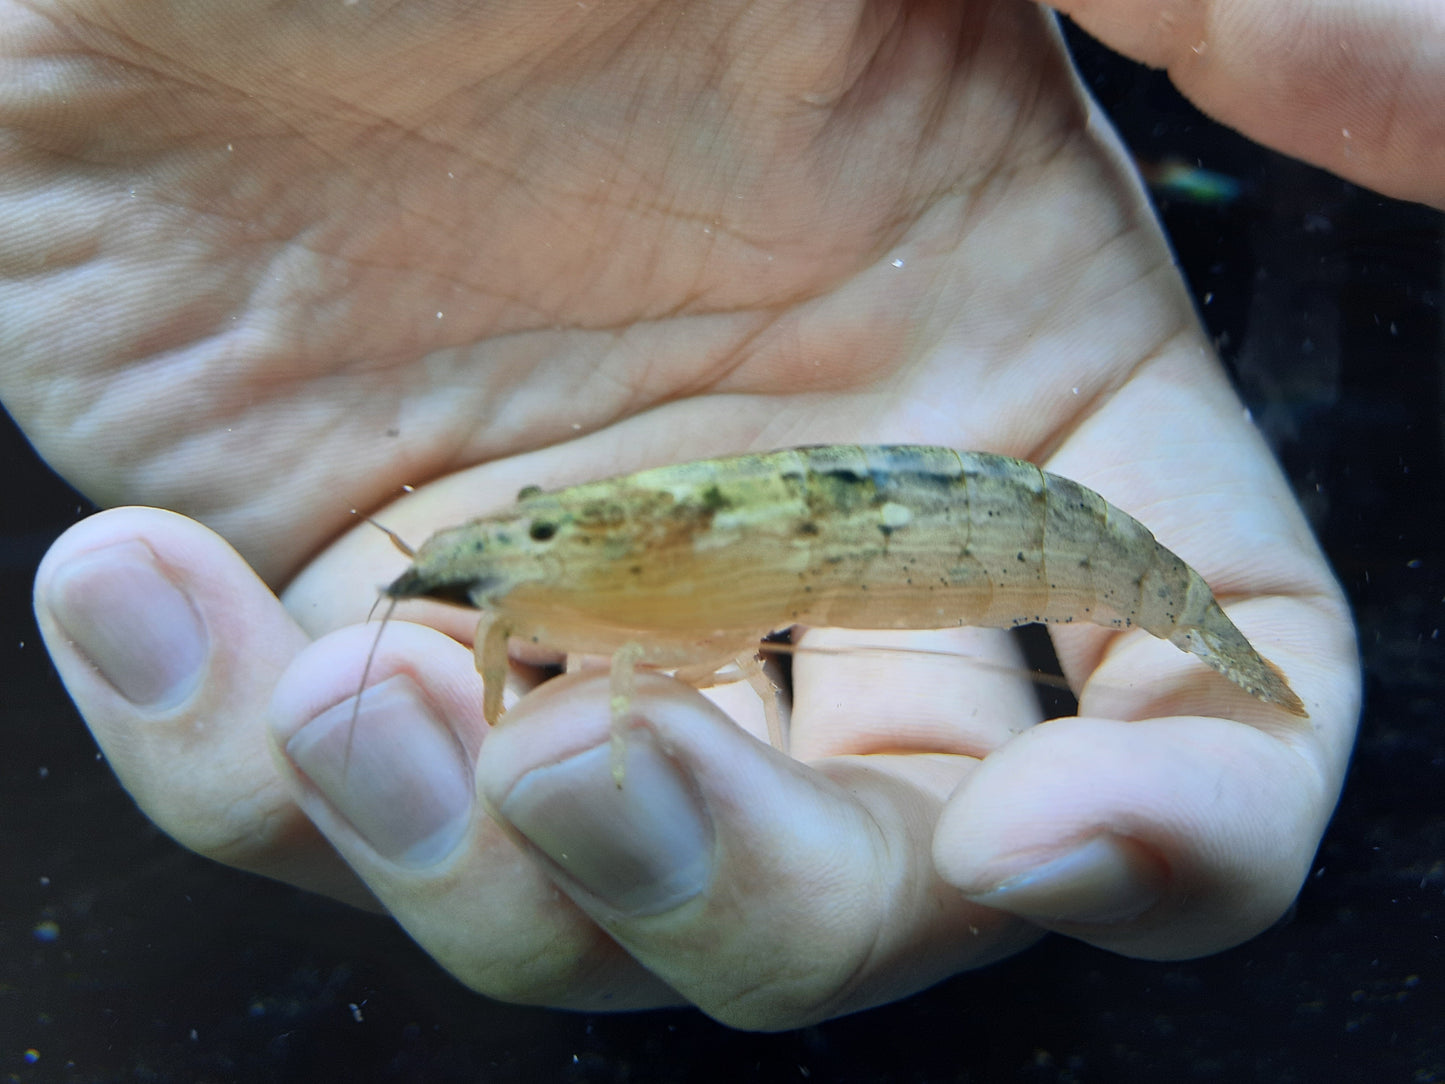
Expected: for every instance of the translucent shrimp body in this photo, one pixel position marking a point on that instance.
(691, 565)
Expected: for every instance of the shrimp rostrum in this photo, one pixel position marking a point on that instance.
(688, 567)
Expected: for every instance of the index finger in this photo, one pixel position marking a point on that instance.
(1354, 88)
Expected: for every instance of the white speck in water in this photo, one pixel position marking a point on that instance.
(1198, 47)
(229, 147)
(408, 488)
(452, 175)
(439, 316)
(1209, 297)
(44, 772)
(1345, 132)
(1248, 414)
(355, 1011)
(1076, 391)
(576, 426)
(897, 263)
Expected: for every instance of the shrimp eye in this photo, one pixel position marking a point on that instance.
(541, 530)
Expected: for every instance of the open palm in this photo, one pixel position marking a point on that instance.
(264, 266)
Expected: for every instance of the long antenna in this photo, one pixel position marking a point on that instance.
(399, 543)
(365, 673)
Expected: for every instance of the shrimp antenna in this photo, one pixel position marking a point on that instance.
(366, 673)
(396, 539)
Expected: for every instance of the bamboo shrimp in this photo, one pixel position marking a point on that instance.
(690, 566)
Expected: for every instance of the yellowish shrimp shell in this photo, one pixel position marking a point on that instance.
(690, 565)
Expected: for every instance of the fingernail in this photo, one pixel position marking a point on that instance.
(134, 624)
(400, 778)
(1105, 880)
(642, 848)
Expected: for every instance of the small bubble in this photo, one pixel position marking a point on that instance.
(897, 263)
(46, 931)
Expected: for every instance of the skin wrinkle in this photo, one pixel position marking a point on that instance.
(512, 977)
(1179, 36)
(1069, 424)
(1389, 122)
(871, 955)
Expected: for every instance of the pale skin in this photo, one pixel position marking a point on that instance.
(263, 265)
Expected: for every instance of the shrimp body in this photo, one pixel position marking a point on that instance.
(691, 565)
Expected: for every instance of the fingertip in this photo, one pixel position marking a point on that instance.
(625, 827)
(384, 770)
(170, 646)
(768, 893)
(131, 618)
(1162, 839)
(391, 782)
(1102, 880)
(158, 627)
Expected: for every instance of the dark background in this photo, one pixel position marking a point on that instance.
(123, 957)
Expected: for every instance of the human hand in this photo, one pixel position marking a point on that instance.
(651, 235)
(1353, 88)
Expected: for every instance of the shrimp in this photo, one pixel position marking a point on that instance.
(688, 567)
